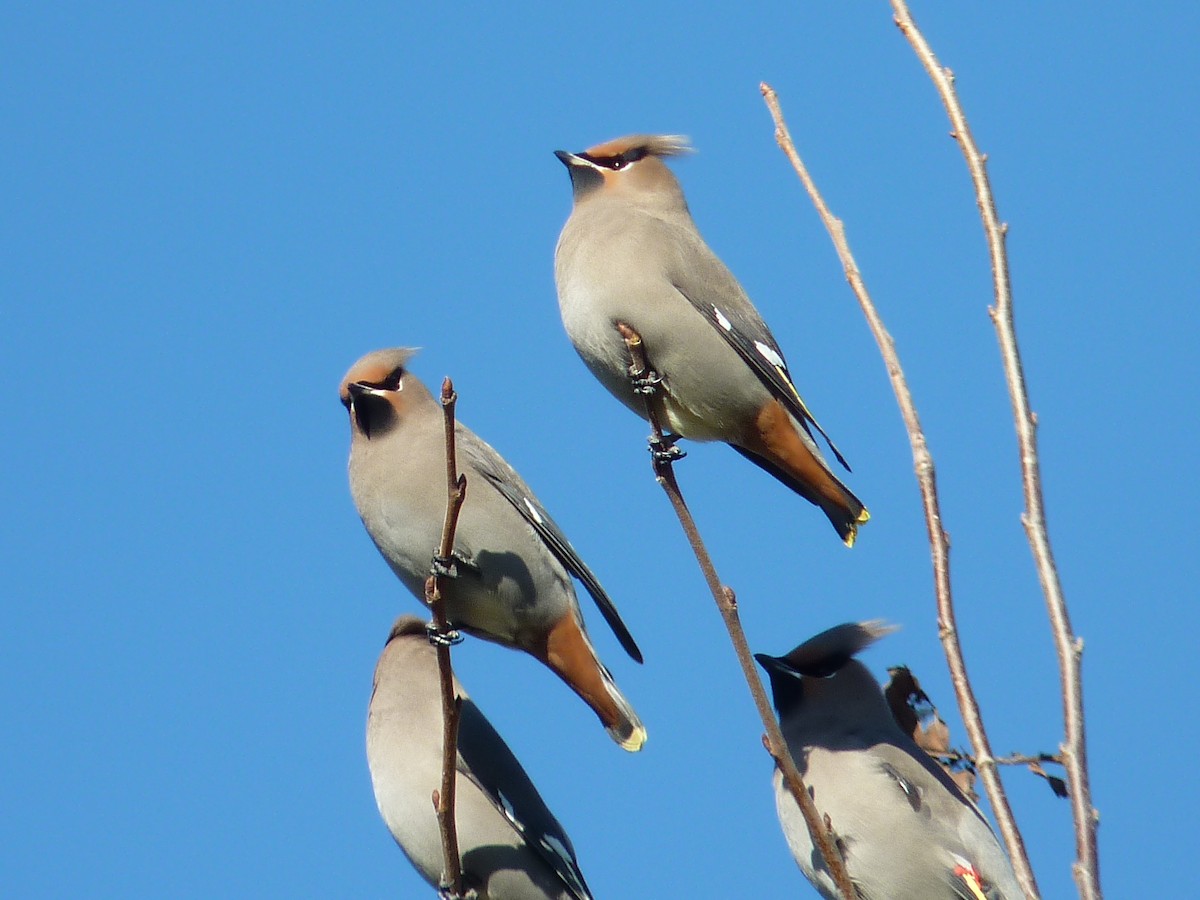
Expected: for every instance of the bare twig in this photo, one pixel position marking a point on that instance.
(939, 542)
(443, 799)
(1015, 759)
(727, 605)
(1069, 647)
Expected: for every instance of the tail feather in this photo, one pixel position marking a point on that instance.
(570, 654)
(845, 516)
(779, 447)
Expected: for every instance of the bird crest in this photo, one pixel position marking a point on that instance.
(661, 145)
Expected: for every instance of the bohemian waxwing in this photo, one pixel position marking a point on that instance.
(905, 830)
(512, 565)
(631, 253)
(511, 845)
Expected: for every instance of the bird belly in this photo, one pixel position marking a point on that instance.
(500, 591)
(708, 392)
(889, 847)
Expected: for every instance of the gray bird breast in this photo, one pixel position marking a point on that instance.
(510, 587)
(612, 266)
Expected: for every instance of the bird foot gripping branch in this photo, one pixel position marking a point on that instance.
(645, 382)
(448, 893)
(663, 448)
(440, 633)
(442, 637)
(443, 566)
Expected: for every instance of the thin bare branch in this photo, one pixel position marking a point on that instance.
(1014, 759)
(1068, 646)
(663, 455)
(443, 799)
(939, 542)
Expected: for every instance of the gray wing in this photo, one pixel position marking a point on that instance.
(961, 822)
(492, 466)
(711, 288)
(486, 759)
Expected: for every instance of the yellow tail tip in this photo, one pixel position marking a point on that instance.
(635, 741)
(852, 532)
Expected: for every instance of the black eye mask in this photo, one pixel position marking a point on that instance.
(620, 161)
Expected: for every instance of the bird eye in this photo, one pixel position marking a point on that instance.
(618, 163)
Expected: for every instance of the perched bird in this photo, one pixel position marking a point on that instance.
(904, 829)
(511, 845)
(512, 565)
(631, 253)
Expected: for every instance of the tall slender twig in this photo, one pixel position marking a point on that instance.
(939, 543)
(443, 799)
(1068, 646)
(726, 601)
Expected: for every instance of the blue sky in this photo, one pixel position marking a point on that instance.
(211, 210)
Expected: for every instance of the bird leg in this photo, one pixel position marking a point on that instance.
(451, 566)
(663, 449)
(439, 638)
(645, 381)
(443, 567)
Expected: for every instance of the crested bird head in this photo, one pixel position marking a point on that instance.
(629, 168)
(373, 392)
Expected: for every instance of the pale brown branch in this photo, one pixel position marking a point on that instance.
(1068, 646)
(727, 605)
(939, 542)
(443, 799)
(1014, 759)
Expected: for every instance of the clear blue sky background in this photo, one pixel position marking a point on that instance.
(210, 210)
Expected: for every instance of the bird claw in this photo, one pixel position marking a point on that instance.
(444, 566)
(647, 383)
(439, 638)
(664, 450)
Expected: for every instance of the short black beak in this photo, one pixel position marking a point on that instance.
(370, 410)
(567, 159)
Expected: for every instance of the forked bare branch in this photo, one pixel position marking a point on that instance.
(1069, 647)
(939, 543)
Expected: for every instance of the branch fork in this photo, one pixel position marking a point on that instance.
(1074, 747)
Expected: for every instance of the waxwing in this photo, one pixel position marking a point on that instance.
(511, 566)
(904, 829)
(631, 253)
(512, 847)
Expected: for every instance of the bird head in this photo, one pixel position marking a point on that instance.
(822, 673)
(630, 168)
(407, 625)
(374, 391)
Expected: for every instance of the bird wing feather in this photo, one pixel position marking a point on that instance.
(504, 478)
(714, 292)
(487, 761)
